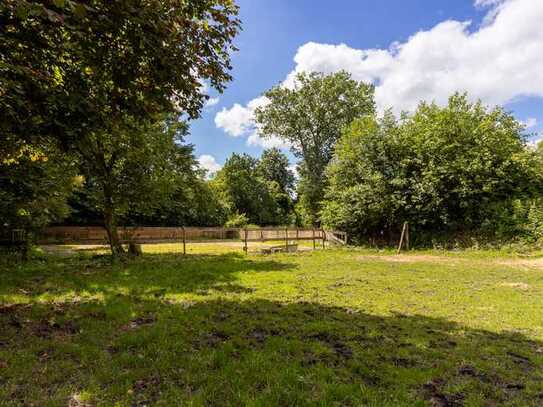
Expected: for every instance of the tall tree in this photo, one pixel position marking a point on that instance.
(310, 117)
(273, 166)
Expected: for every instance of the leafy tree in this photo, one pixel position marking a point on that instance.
(193, 203)
(443, 169)
(34, 185)
(273, 167)
(245, 192)
(237, 220)
(310, 117)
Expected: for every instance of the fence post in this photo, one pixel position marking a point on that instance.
(323, 238)
(184, 242)
(402, 236)
(286, 240)
(245, 241)
(407, 237)
(314, 244)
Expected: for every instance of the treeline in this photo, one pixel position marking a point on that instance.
(461, 173)
(246, 191)
(458, 173)
(96, 108)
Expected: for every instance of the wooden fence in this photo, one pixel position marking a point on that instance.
(98, 235)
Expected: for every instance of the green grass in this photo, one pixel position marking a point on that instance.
(216, 327)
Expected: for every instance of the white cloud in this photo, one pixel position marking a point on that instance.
(499, 62)
(209, 163)
(530, 122)
(238, 120)
(364, 65)
(212, 102)
(255, 139)
(235, 121)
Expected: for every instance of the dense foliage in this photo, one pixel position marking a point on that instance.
(445, 170)
(35, 182)
(310, 117)
(258, 190)
(136, 171)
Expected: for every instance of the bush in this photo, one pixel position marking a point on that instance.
(237, 220)
(452, 171)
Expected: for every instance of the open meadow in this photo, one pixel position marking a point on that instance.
(216, 327)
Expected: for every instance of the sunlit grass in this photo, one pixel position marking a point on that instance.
(218, 327)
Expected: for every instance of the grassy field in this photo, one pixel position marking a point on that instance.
(216, 327)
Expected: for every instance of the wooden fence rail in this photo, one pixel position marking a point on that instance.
(97, 235)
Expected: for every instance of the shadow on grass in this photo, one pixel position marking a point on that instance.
(139, 352)
(154, 275)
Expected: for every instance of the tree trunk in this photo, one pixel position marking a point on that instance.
(111, 228)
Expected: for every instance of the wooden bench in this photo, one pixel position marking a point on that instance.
(291, 248)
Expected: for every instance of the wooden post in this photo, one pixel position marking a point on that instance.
(407, 237)
(286, 240)
(184, 242)
(297, 235)
(314, 243)
(245, 241)
(323, 238)
(402, 236)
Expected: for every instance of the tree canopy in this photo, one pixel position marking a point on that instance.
(256, 189)
(35, 182)
(70, 68)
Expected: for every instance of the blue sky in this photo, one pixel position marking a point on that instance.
(439, 41)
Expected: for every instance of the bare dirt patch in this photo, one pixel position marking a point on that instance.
(138, 322)
(453, 260)
(519, 286)
(525, 263)
(403, 258)
(433, 392)
(48, 329)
